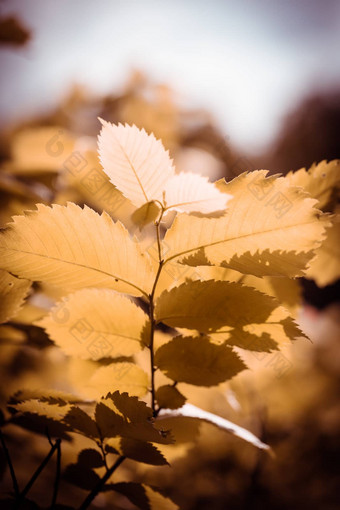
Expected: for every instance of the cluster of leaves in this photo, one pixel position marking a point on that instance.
(195, 289)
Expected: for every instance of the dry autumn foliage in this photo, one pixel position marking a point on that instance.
(201, 275)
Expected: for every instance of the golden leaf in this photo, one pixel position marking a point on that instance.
(207, 306)
(265, 214)
(325, 267)
(188, 192)
(13, 292)
(73, 248)
(42, 149)
(322, 181)
(96, 323)
(196, 360)
(136, 162)
(121, 376)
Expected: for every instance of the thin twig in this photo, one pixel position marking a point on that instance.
(57, 475)
(38, 471)
(103, 454)
(96, 490)
(152, 314)
(10, 465)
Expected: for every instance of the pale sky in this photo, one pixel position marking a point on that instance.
(247, 61)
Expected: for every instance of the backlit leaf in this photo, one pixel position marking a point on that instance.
(143, 496)
(325, 267)
(321, 180)
(40, 417)
(136, 162)
(169, 397)
(142, 452)
(121, 415)
(196, 360)
(265, 214)
(96, 324)
(188, 192)
(13, 292)
(207, 306)
(81, 422)
(121, 376)
(73, 248)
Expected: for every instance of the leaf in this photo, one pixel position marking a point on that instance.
(81, 422)
(184, 430)
(192, 412)
(274, 263)
(142, 452)
(188, 192)
(50, 397)
(143, 496)
(325, 267)
(121, 415)
(196, 360)
(146, 214)
(249, 342)
(277, 330)
(81, 476)
(41, 416)
(265, 215)
(169, 397)
(286, 290)
(135, 162)
(91, 458)
(322, 181)
(121, 376)
(42, 149)
(13, 292)
(96, 324)
(73, 248)
(207, 306)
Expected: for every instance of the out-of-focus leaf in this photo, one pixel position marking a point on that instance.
(90, 458)
(143, 496)
(121, 376)
(13, 32)
(325, 267)
(13, 292)
(321, 180)
(40, 417)
(40, 150)
(192, 412)
(81, 476)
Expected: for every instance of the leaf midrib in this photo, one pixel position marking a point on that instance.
(235, 238)
(115, 277)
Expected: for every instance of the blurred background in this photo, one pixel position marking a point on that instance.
(229, 87)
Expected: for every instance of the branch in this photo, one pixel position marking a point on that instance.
(10, 465)
(96, 490)
(38, 471)
(57, 475)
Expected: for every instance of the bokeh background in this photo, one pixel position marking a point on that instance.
(229, 87)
